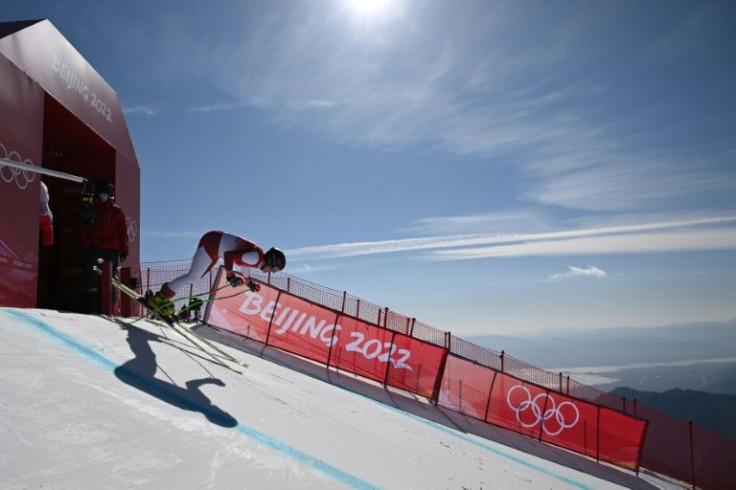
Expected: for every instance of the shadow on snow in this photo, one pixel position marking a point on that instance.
(140, 372)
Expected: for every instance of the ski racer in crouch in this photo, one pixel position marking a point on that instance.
(213, 245)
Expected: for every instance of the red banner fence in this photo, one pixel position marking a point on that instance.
(351, 334)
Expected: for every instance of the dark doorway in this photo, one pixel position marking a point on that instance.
(68, 146)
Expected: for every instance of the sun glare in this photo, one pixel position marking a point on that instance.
(368, 7)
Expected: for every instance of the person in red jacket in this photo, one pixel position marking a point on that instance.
(233, 250)
(47, 218)
(105, 238)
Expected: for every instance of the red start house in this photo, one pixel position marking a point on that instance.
(58, 114)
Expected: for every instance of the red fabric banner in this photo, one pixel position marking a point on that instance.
(552, 417)
(295, 325)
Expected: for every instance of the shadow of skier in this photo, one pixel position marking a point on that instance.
(140, 371)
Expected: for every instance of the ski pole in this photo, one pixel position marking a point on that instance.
(204, 294)
(208, 300)
(41, 170)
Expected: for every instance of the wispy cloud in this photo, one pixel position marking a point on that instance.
(575, 271)
(670, 236)
(215, 108)
(146, 110)
(319, 104)
(441, 92)
(524, 219)
(302, 268)
(488, 88)
(634, 243)
(618, 181)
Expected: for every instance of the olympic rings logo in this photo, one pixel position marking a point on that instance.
(11, 174)
(132, 228)
(535, 407)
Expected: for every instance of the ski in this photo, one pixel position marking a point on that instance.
(205, 346)
(212, 346)
(196, 340)
(219, 356)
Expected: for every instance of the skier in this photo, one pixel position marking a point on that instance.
(213, 245)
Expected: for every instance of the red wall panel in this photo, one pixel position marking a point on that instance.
(57, 110)
(53, 63)
(21, 136)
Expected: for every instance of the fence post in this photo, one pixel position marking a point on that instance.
(385, 317)
(490, 394)
(544, 411)
(598, 435)
(502, 361)
(332, 339)
(344, 297)
(411, 329)
(388, 364)
(441, 372)
(561, 376)
(692, 452)
(270, 322)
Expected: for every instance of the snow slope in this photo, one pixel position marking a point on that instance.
(87, 403)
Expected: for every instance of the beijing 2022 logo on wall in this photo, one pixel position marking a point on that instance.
(12, 175)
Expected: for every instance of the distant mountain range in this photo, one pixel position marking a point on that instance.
(711, 377)
(618, 346)
(648, 359)
(711, 411)
(670, 369)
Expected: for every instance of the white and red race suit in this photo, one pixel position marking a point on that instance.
(213, 245)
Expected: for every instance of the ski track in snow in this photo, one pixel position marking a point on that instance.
(318, 464)
(278, 446)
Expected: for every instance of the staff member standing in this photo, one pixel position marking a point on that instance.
(106, 238)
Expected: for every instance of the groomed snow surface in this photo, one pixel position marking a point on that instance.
(88, 403)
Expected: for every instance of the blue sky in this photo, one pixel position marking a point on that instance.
(486, 167)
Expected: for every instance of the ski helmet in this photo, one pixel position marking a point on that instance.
(105, 188)
(275, 258)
